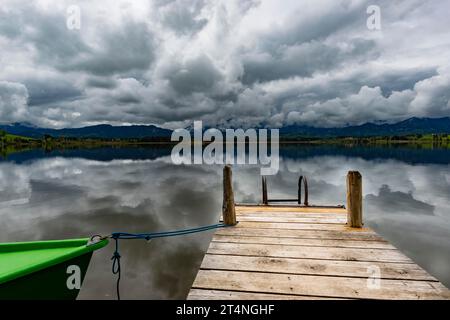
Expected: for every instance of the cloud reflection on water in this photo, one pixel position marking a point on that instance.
(53, 198)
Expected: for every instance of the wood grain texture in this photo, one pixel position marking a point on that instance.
(354, 199)
(283, 208)
(405, 271)
(324, 286)
(288, 214)
(202, 294)
(304, 242)
(296, 226)
(308, 252)
(366, 235)
(277, 252)
(312, 220)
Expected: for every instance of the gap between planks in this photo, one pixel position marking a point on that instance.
(207, 294)
(311, 220)
(325, 286)
(352, 269)
(272, 208)
(366, 235)
(297, 226)
(278, 252)
(302, 242)
(308, 252)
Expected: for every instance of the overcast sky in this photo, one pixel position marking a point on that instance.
(229, 63)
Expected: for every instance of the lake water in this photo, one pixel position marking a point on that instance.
(78, 193)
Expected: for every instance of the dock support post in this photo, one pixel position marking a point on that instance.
(354, 199)
(228, 210)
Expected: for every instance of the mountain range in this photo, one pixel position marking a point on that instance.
(105, 131)
(402, 128)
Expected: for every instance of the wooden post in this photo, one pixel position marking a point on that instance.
(354, 199)
(228, 210)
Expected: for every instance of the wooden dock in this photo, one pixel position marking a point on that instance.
(298, 252)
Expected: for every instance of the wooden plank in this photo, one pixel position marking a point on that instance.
(304, 242)
(288, 252)
(330, 253)
(273, 208)
(404, 271)
(366, 235)
(292, 215)
(201, 294)
(340, 287)
(296, 226)
(313, 220)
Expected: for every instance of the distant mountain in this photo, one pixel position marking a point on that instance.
(406, 127)
(103, 131)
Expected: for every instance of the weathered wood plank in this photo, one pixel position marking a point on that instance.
(304, 242)
(296, 226)
(201, 294)
(330, 253)
(304, 219)
(292, 214)
(288, 252)
(325, 286)
(275, 208)
(367, 235)
(403, 271)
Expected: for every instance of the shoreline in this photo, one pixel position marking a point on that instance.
(9, 149)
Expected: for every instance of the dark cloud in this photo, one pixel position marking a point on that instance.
(397, 80)
(195, 75)
(128, 98)
(303, 60)
(238, 63)
(124, 50)
(50, 91)
(183, 17)
(117, 49)
(330, 19)
(13, 102)
(53, 42)
(98, 82)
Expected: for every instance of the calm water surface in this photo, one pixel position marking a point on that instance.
(78, 193)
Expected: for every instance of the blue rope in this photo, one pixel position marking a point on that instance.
(116, 269)
(152, 235)
(116, 266)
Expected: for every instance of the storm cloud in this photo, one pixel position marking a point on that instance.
(229, 63)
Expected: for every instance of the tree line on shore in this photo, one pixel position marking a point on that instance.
(15, 142)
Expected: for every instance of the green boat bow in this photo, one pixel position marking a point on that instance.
(52, 269)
